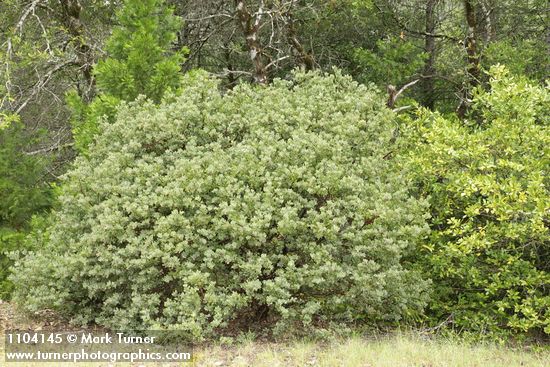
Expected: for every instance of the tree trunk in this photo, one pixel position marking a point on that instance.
(71, 19)
(471, 44)
(250, 26)
(428, 82)
(474, 72)
(304, 58)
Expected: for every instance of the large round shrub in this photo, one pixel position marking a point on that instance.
(276, 204)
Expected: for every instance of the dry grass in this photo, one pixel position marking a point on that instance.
(400, 350)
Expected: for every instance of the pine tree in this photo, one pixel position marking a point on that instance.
(140, 62)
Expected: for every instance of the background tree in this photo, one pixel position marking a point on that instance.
(140, 62)
(23, 193)
(47, 48)
(255, 40)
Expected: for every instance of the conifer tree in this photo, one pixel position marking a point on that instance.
(140, 62)
(23, 192)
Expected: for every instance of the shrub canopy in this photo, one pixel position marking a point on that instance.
(274, 204)
(487, 179)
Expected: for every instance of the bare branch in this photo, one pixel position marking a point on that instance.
(276, 61)
(42, 81)
(413, 31)
(56, 146)
(21, 22)
(393, 93)
(208, 17)
(401, 109)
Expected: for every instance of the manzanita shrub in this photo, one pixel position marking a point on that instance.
(277, 206)
(487, 178)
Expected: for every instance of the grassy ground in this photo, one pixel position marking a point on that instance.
(400, 350)
(391, 351)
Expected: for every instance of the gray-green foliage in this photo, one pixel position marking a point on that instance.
(274, 204)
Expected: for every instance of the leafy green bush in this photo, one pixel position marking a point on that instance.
(489, 193)
(22, 194)
(265, 205)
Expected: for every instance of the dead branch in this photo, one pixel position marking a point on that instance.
(393, 93)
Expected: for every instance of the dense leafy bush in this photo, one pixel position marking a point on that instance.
(274, 204)
(489, 191)
(22, 194)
